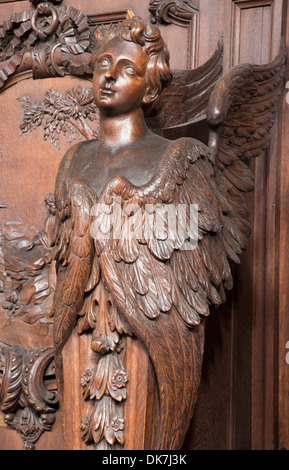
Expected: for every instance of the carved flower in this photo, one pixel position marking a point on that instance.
(117, 424)
(66, 114)
(86, 378)
(85, 429)
(11, 303)
(119, 379)
(85, 423)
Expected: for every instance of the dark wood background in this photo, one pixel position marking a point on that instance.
(243, 397)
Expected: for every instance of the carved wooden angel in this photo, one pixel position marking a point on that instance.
(146, 227)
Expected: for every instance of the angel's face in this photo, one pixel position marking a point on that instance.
(120, 82)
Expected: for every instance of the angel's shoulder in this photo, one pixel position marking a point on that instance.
(188, 143)
(185, 148)
(80, 149)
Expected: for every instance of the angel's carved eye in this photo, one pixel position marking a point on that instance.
(103, 62)
(130, 70)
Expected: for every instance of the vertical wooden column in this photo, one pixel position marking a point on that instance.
(255, 30)
(282, 345)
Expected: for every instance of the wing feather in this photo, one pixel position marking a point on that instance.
(75, 271)
(242, 109)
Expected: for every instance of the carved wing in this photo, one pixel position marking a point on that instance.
(161, 290)
(242, 109)
(74, 252)
(187, 97)
(241, 112)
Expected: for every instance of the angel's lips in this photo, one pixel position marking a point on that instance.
(106, 91)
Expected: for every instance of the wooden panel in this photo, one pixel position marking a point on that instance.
(245, 360)
(212, 14)
(248, 43)
(243, 397)
(247, 46)
(210, 427)
(21, 162)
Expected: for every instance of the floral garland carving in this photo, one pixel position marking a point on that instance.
(104, 386)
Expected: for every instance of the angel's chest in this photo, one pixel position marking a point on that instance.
(96, 169)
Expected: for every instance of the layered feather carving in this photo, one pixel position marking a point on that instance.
(242, 110)
(162, 278)
(75, 256)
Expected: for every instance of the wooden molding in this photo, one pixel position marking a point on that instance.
(245, 14)
(107, 17)
(252, 3)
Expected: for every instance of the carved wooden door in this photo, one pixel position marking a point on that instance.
(46, 104)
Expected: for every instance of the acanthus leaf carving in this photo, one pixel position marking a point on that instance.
(28, 405)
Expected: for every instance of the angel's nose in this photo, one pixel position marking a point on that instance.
(110, 74)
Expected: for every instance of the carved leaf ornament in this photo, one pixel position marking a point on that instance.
(58, 114)
(28, 406)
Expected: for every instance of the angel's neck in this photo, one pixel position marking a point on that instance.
(118, 131)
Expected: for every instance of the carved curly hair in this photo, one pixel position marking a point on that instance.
(149, 38)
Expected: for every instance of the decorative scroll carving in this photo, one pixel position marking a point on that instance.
(180, 12)
(28, 396)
